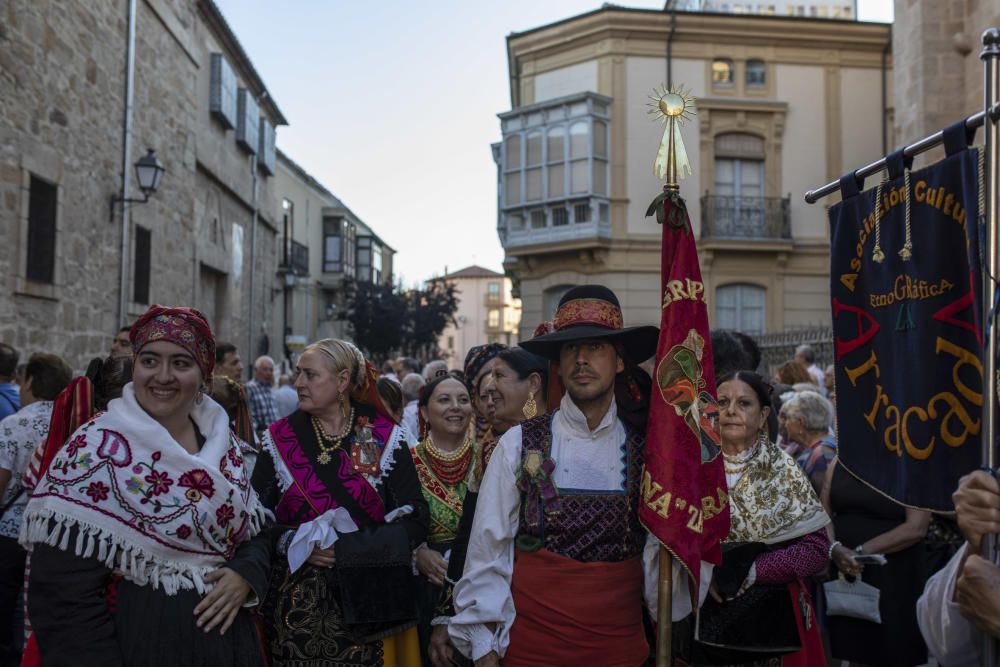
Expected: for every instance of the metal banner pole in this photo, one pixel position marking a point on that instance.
(664, 610)
(991, 260)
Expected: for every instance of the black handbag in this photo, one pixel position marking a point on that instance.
(756, 625)
(377, 587)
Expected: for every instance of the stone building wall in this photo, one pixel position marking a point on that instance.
(62, 86)
(938, 75)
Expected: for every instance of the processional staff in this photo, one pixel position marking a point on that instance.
(672, 107)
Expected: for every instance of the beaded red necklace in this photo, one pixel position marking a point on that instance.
(449, 468)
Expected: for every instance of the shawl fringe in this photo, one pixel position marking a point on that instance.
(55, 529)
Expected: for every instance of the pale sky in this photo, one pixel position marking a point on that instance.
(392, 106)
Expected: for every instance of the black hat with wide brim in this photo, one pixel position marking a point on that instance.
(589, 312)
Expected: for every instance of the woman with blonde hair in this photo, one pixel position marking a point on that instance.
(339, 467)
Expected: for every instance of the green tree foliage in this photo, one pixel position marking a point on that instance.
(386, 320)
(430, 310)
(377, 315)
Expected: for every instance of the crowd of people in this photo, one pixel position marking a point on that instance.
(158, 509)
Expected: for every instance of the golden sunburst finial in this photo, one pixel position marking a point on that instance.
(666, 103)
(672, 106)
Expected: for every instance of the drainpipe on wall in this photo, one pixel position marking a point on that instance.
(253, 262)
(885, 93)
(670, 6)
(126, 164)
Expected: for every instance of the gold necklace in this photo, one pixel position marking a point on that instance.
(741, 465)
(322, 438)
(445, 457)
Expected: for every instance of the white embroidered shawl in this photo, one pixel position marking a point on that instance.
(144, 505)
(773, 501)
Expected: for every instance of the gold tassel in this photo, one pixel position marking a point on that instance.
(877, 254)
(907, 252)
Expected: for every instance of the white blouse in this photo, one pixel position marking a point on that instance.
(585, 460)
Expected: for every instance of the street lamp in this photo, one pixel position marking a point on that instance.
(148, 174)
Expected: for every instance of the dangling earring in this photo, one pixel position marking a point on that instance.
(200, 397)
(530, 409)
(343, 406)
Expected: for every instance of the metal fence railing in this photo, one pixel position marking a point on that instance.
(779, 347)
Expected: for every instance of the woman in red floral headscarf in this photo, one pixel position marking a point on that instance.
(155, 491)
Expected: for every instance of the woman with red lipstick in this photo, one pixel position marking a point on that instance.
(444, 459)
(152, 494)
(517, 380)
(777, 539)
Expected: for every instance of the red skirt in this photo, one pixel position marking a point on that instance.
(573, 613)
(812, 653)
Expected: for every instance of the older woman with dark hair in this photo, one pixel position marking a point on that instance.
(153, 491)
(777, 539)
(339, 452)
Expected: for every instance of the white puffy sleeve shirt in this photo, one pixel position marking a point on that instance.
(952, 638)
(585, 459)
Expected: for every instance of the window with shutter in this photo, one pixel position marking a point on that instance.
(741, 307)
(222, 99)
(266, 146)
(42, 207)
(248, 121)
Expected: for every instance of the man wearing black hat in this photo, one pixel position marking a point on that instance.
(558, 565)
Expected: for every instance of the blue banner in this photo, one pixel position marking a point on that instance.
(908, 331)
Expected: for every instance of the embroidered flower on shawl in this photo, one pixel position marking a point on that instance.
(234, 457)
(134, 485)
(159, 482)
(184, 531)
(73, 446)
(224, 515)
(98, 491)
(198, 482)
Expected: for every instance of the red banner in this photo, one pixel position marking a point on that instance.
(685, 503)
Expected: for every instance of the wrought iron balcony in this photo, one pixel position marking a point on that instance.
(296, 258)
(755, 218)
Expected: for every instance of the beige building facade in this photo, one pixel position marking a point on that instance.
(205, 238)
(324, 252)
(487, 313)
(783, 104)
